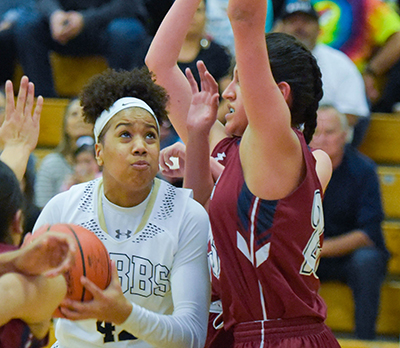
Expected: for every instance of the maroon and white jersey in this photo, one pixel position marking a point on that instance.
(265, 253)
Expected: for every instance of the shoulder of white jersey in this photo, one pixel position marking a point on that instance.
(171, 204)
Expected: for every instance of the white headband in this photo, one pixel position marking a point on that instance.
(121, 104)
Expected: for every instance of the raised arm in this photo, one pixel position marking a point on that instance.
(202, 115)
(32, 299)
(270, 151)
(20, 130)
(162, 59)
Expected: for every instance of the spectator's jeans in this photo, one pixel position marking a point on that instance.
(363, 271)
(124, 43)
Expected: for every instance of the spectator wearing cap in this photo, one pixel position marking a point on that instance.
(343, 85)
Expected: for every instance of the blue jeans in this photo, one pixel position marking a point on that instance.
(364, 272)
(124, 43)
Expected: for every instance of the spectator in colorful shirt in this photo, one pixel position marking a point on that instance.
(368, 31)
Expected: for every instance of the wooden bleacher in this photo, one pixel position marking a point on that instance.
(70, 74)
(382, 141)
(51, 122)
(382, 144)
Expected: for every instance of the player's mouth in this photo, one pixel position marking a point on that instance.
(140, 165)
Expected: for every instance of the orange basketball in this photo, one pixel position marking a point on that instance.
(91, 260)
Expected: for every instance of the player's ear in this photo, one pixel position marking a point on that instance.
(98, 147)
(285, 90)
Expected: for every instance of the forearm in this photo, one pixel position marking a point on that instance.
(16, 157)
(165, 330)
(32, 299)
(386, 57)
(247, 12)
(187, 326)
(162, 59)
(190, 289)
(345, 244)
(198, 175)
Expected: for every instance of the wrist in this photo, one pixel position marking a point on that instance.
(124, 313)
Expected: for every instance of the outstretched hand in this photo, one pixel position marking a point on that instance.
(50, 254)
(20, 125)
(19, 132)
(204, 106)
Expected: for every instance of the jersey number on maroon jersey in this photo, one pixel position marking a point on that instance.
(312, 251)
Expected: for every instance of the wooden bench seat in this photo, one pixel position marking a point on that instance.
(70, 74)
(382, 140)
(339, 300)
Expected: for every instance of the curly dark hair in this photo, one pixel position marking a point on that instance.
(293, 63)
(104, 89)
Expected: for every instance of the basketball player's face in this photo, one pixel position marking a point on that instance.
(236, 119)
(129, 155)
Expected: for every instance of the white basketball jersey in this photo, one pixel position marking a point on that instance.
(144, 258)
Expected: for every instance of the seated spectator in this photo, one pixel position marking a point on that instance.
(354, 251)
(10, 12)
(85, 165)
(368, 31)
(342, 83)
(112, 28)
(56, 166)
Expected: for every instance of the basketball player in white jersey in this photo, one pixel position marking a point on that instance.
(156, 234)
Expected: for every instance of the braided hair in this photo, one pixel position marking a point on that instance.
(293, 63)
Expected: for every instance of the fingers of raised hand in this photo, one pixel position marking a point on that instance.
(22, 95)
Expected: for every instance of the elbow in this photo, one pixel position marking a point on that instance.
(149, 61)
(244, 14)
(153, 60)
